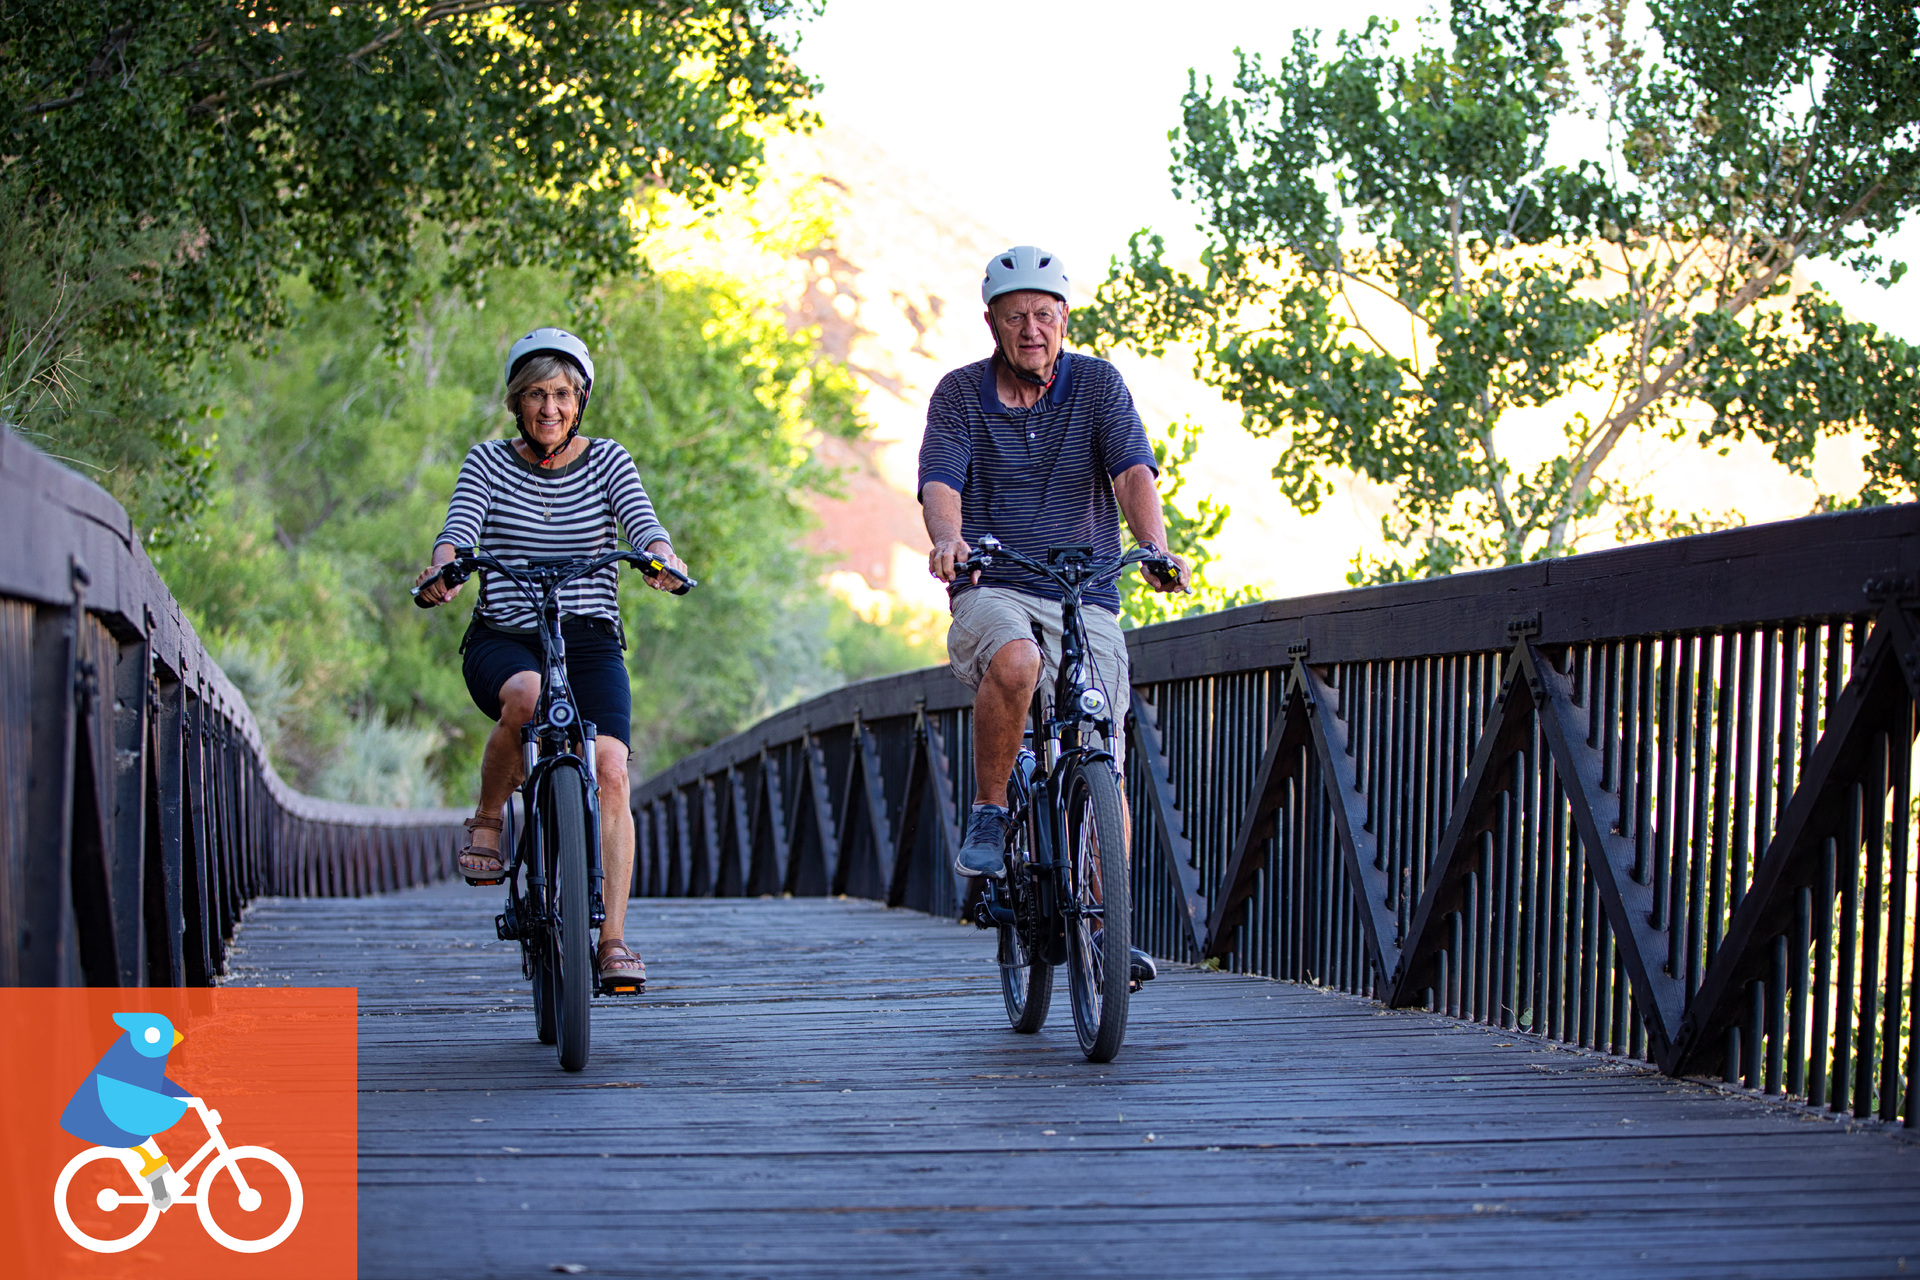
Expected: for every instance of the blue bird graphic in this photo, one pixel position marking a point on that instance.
(126, 1099)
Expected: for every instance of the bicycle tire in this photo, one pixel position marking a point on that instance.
(1099, 932)
(1026, 984)
(229, 1163)
(150, 1212)
(572, 931)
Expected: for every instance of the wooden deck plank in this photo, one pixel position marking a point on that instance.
(818, 1088)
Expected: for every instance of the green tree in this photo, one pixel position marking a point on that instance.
(207, 154)
(337, 460)
(1188, 536)
(1393, 267)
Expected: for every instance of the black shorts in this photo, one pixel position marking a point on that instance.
(595, 668)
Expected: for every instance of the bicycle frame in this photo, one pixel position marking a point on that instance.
(214, 1144)
(549, 738)
(1034, 795)
(548, 741)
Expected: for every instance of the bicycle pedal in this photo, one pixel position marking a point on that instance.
(622, 987)
(482, 884)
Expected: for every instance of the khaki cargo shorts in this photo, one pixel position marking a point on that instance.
(986, 618)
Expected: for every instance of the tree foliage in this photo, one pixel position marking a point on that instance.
(197, 157)
(337, 461)
(1188, 536)
(1393, 266)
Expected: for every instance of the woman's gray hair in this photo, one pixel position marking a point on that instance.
(539, 369)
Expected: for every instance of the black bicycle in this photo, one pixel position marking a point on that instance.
(1066, 898)
(553, 874)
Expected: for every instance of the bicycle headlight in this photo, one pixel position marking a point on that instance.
(561, 715)
(1092, 702)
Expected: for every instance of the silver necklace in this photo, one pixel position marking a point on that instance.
(545, 496)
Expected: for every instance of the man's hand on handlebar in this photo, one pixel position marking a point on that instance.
(944, 560)
(1182, 580)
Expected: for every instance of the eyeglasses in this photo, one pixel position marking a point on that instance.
(536, 398)
(1044, 317)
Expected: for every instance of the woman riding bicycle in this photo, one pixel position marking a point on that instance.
(551, 493)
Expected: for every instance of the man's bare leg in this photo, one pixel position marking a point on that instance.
(1000, 717)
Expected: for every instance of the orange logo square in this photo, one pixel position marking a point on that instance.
(205, 1132)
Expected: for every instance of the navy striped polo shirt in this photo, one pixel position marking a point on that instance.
(1040, 477)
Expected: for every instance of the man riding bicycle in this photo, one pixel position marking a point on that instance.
(551, 493)
(1041, 448)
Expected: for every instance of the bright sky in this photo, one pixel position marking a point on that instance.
(1047, 119)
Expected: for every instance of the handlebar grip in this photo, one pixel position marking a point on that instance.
(450, 575)
(652, 566)
(967, 568)
(1162, 568)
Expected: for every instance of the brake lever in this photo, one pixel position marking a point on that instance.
(655, 566)
(449, 580)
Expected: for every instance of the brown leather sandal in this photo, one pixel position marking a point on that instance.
(621, 970)
(480, 866)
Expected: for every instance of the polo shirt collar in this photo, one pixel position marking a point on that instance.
(1056, 394)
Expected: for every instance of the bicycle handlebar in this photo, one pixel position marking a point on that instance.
(1155, 560)
(467, 559)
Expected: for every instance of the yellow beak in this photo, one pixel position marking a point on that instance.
(177, 1037)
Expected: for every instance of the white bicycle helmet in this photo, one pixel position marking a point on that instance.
(552, 342)
(1024, 267)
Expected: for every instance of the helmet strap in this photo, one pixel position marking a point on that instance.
(1043, 383)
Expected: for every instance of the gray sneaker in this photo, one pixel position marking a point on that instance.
(982, 853)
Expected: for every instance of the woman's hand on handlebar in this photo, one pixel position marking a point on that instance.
(430, 590)
(666, 581)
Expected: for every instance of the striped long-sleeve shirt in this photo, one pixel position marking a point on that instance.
(504, 505)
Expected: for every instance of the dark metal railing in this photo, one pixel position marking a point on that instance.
(138, 811)
(1653, 801)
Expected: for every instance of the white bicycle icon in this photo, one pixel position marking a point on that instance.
(228, 1161)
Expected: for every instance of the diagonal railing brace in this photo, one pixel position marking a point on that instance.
(1164, 802)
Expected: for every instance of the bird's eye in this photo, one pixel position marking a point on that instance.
(153, 1035)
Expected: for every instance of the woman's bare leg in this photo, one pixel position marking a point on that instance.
(502, 764)
(616, 834)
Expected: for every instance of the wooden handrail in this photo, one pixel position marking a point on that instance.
(1609, 799)
(136, 785)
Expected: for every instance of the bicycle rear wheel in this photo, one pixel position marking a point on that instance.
(571, 953)
(1026, 983)
(1099, 933)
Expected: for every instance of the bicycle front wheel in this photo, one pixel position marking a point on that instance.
(1026, 981)
(1099, 933)
(260, 1187)
(571, 957)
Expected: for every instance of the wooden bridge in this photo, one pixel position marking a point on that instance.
(825, 1087)
(1556, 920)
